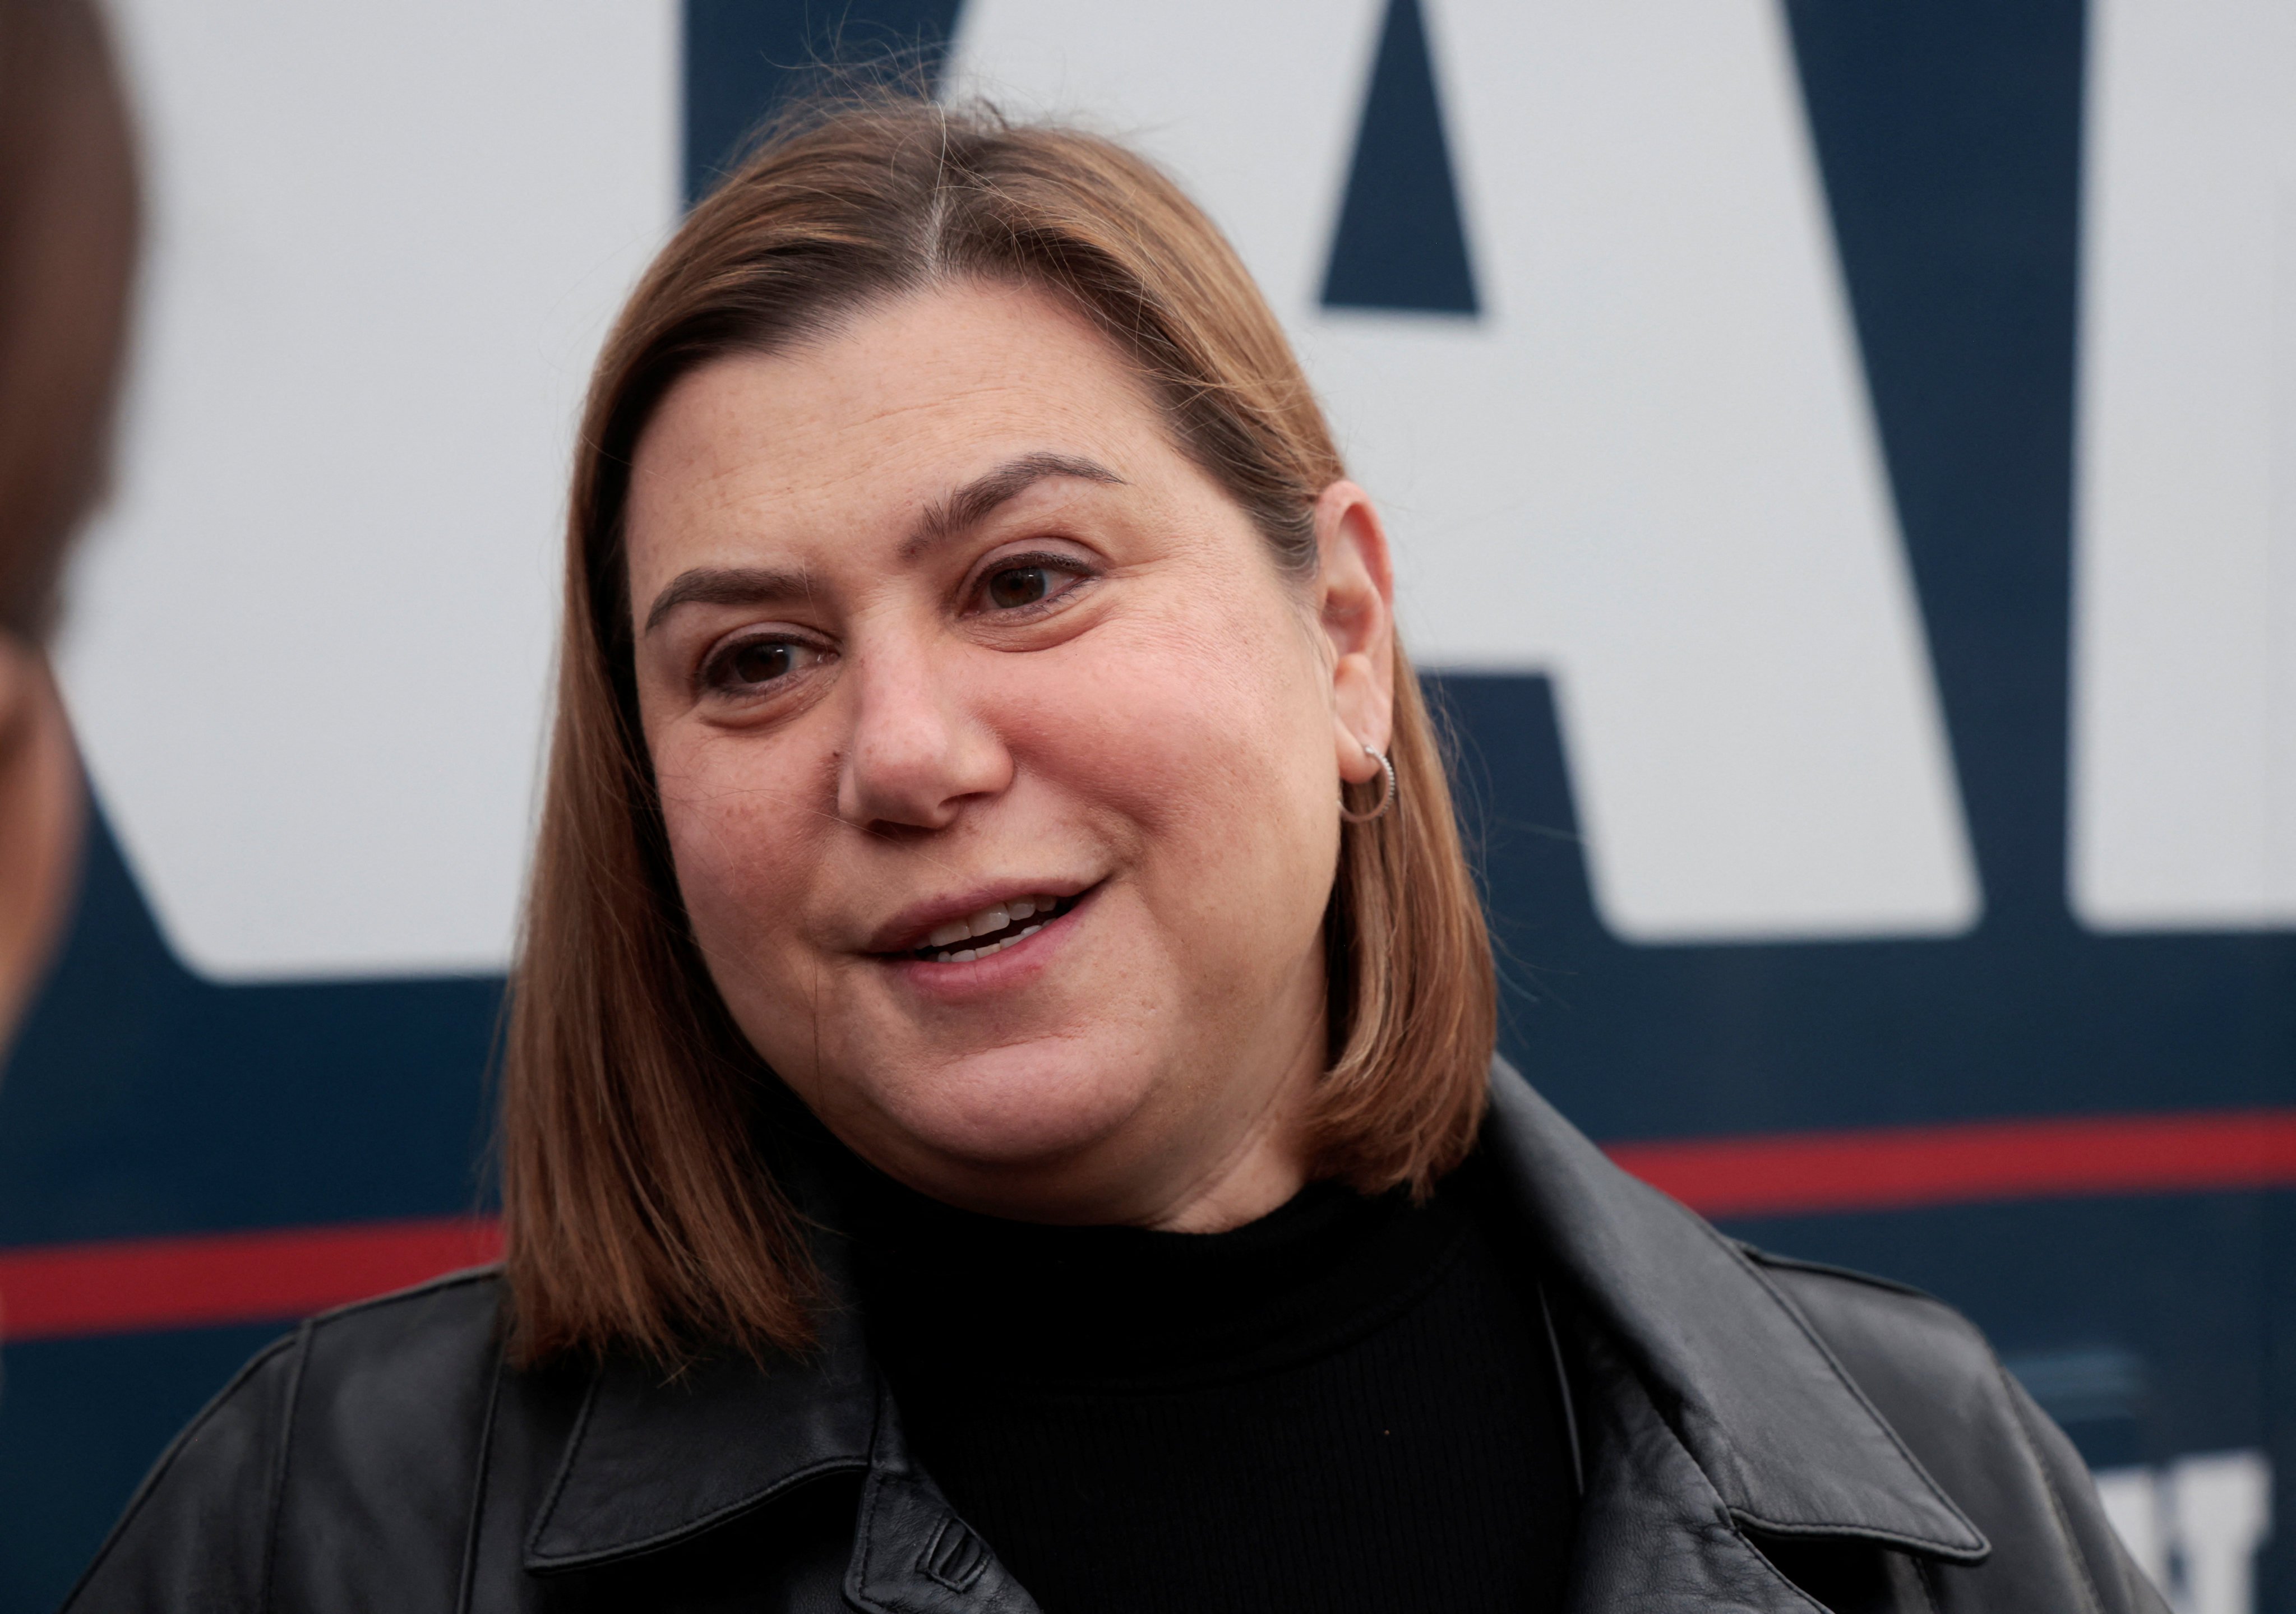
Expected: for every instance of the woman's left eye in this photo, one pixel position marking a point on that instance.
(1028, 580)
(1018, 585)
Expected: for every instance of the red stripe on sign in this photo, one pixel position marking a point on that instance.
(1898, 1168)
(141, 1285)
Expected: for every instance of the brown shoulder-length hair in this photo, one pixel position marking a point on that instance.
(640, 1208)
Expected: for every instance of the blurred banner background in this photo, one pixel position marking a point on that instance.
(1843, 463)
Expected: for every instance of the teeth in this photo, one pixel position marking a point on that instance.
(996, 916)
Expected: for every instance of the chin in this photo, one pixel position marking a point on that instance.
(1015, 1108)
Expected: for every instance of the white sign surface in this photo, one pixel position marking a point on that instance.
(307, 653)
(2183, 813)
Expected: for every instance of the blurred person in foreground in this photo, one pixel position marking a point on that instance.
(1000, 1109)
(68, 235)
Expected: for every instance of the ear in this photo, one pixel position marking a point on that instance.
(1354, 607)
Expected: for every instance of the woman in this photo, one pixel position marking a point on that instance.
(1000, 1111)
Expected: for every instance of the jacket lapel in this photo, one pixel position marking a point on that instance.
(1768, 1424)
(913, 1555)
(1654, 1537)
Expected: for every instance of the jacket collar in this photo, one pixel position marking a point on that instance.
(1766, 1418)
(654, 1459)
(1788, 1442)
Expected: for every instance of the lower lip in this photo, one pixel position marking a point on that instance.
(1008, 967)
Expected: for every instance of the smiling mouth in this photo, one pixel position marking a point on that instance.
(996, 927)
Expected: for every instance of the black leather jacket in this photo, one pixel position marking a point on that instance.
(1759, 1434)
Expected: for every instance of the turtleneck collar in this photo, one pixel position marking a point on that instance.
(981, 1294)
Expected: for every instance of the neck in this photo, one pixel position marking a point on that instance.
(42, 808)
(1265, 1169)
(1267, 1158)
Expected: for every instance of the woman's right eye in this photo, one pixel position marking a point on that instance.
(755, 664)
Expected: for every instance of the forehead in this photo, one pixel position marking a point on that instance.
(861, 427)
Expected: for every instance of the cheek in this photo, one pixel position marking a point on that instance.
(1210, 737)
(737, 822)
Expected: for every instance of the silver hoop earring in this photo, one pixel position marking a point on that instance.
(1385, 802)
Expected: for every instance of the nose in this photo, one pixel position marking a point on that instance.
(917, 749)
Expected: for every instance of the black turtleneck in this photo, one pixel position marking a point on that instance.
(1349, 1404)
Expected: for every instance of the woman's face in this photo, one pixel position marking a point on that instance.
(1000, 763)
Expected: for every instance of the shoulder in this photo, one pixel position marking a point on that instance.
(378, 1403)
(1899, 1344)
(408, 1359)
(1924, 1366)
(1931, 1375)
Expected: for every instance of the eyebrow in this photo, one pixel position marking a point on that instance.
(726, 585)
(977, 500)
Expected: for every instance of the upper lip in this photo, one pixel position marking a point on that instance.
(907, 930)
